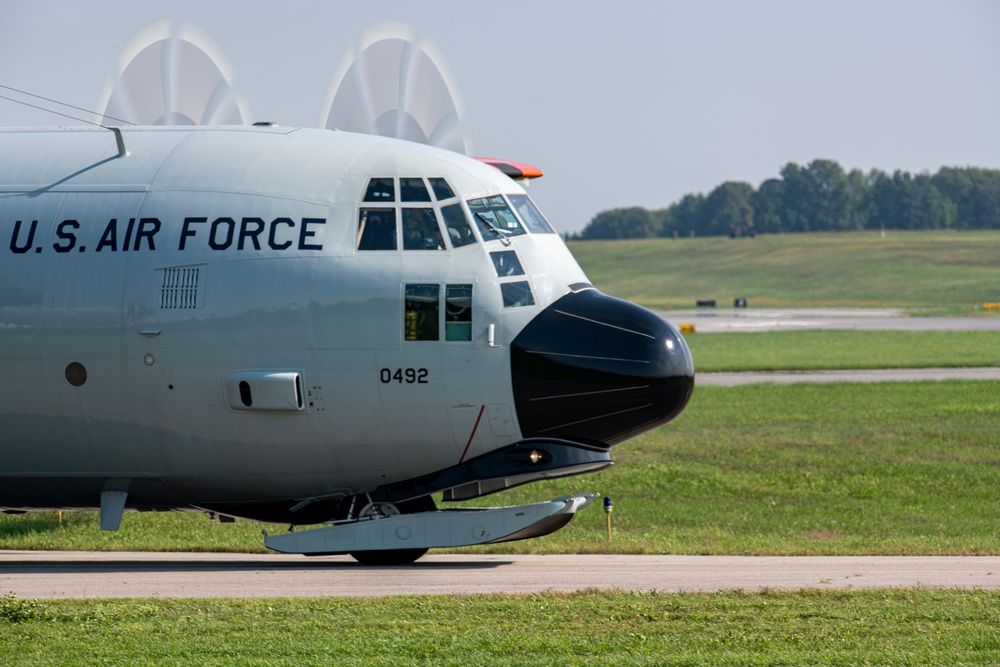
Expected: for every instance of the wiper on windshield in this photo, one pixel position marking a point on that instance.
(500, 234)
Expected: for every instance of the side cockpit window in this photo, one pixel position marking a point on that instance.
(459, 230)
(422, 312)
(377, 229)
(506, 264)
(458, 312)
(516, 295)
(529, 213)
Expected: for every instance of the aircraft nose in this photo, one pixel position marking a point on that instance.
(596, 369)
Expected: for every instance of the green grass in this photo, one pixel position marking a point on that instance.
(900, 627)
(838, 469)
(945, 271)
(894, 468)
(814, 350)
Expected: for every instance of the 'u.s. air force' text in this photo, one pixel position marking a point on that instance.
(137, 234)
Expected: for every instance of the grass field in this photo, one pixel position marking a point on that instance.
(940, 271)
(815, 350)
(895, 468)
(905, 627)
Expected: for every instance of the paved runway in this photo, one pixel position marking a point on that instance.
(874, 375)
(723, 320)
(39, 574)
(750, 320)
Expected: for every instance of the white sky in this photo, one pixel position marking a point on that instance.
(621, 104)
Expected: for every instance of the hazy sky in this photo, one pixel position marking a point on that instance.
(621, 104)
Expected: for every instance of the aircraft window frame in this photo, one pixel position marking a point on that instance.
(413, 190)
(495, 218)
(380, 190)
(517, 294)
(421, 230)
(452, 228)
(533, 220)
(380, 237)
(506, 263)
(441, 188)
(421, 312)
(460, 233)
(458, 312)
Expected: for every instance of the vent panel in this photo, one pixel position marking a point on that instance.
(181, 288)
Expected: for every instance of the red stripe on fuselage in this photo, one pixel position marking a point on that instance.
(473, 434)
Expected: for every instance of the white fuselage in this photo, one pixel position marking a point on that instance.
(237, 344)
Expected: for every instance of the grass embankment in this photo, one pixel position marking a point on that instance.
(908, 627)
(819, 350)
(895, 468)
(943, 271)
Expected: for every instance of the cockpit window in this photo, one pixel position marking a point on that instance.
(458, 312)
(420, 230)
(422, 313)
(413, 189)
(516, 294)
(506, 264)
(381, 190)
(532, 217)
(494, 218)
(457, 224)
(377, 229)
(401, 214)
(441, 189)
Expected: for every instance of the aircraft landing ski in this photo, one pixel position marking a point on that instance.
(425, 530)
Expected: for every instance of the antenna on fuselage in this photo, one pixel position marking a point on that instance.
(122, 151)
(119, 139)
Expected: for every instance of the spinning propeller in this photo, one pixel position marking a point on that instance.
(172, 74)
(391, 84)
(395, 84)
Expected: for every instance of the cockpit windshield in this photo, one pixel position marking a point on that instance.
(532, 217)
(494, 218)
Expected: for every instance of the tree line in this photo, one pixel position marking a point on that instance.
(820, 196)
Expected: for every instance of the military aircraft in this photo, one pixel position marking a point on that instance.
(304, 326)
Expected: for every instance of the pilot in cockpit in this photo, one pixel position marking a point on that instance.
(420, 230)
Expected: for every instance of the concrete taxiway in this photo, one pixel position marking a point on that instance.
(873, 375)
(37, 575)
(751, 320)
(728, 320)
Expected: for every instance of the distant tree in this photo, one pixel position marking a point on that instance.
(986, 197)
(906, 202)
(663, 220)
(728, 209)
(857, 189)
(620, 223)
(819, 197)
(796, 193)
(687, 215)
(974, 194)
(956, 185)
(768, 206)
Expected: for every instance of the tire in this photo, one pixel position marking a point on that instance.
(389, 557)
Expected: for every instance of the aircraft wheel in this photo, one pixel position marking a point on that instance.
(394, 556)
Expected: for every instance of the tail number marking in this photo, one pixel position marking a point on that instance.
(403, 375)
